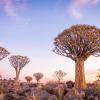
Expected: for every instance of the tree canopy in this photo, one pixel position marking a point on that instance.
(78, 41)
(19, 61)
(59, 75)
(3, 53)
(38, 76)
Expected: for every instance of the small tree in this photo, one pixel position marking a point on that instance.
(28, 79)
(3, 53)
(38, 76)
(18, 62)
(59, 75)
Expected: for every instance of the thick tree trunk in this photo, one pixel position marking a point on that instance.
(79, 74)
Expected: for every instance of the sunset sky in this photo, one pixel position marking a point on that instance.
(28, 27)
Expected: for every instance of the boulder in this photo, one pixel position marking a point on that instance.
(73, 94)
(70, 84)
(52, 97)
(41, 94)
(2, 96)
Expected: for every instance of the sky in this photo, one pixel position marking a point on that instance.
(28, 27)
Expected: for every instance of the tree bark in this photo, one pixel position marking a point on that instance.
(17, 75)
(17, 84)
(79, 74)
(37, 82)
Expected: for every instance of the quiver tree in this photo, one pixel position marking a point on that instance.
(59, 75)
(18, 62)
(28, 79)
(3, 53)
(38, 76)
(78, 43)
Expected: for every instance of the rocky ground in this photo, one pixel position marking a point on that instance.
(10, 90)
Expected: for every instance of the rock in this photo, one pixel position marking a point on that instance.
(89, 93)
(52, 97)
(70, 84)
(91, 97)
(73, 94)
(59, 91)
(2, 96)
(50, 87)
(82, 94)
(11, 96)
(41, 94)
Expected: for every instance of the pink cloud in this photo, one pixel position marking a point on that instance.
(77, 6)
(8, 8)
(11, 7)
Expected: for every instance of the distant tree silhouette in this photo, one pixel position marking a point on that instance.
(38, 76)
(3, 53)
(78, 43)
(18, 62)
(59, 75)
(28, 79)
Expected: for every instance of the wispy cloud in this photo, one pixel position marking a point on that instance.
(13, 7)
(9, 8)
(77, 6)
